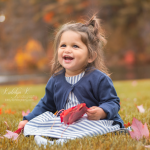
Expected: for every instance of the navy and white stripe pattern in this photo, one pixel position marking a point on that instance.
(72, 99)
(47, 124)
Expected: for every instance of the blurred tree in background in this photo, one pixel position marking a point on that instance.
(26, 35)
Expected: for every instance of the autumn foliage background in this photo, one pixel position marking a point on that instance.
(27, 34)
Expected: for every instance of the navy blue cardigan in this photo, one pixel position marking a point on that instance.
(94, 89)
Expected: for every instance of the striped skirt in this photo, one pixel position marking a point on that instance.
(47, 124)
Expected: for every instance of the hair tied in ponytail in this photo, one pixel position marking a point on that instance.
(91, 22)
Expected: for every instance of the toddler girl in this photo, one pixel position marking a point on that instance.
(78, 76)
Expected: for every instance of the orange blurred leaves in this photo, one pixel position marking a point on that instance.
(48, 17)
(32, 55)
(129, 57)
(8, 111)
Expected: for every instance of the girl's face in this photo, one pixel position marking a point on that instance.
(72, 53)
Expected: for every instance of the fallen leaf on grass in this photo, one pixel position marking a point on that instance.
(10, 135)
(140, 109)
(139, 130)
(25, 113)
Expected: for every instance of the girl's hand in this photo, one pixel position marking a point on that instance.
(22, 123)
(96, 113)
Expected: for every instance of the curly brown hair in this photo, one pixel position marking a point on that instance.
(92, 36)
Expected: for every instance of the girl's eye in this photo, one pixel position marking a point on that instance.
(63, 45)
(75, 46)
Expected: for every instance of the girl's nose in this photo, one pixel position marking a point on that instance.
(68, 49)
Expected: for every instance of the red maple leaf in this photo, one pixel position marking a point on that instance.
(73, 114)
(139, 130)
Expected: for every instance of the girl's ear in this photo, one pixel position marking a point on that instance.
(91, 59)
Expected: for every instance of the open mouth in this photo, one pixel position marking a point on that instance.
(68, 58)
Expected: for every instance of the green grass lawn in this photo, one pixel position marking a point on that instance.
(19, 98)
